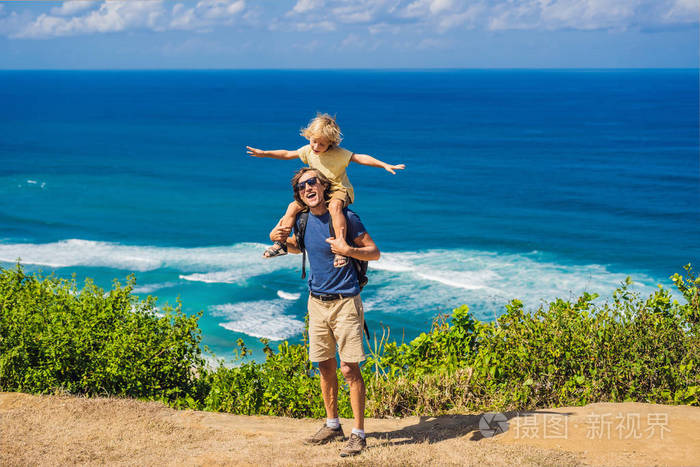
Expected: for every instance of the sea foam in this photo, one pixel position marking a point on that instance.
(148, 288)
(226, 264)
(437, 280)
(288, 296)
(409, 286)
(262, 318)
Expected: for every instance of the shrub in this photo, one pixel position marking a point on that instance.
(565, 353)
(284, 384)
(54, 336)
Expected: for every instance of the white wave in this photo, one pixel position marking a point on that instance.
(287, 295)
(148, 288)
(262, 318)
(220, 277)
(447, 267)
(453, 281)
(31, 182)
(391, 262)
(401, 283)
(208, 264)
(435, 281)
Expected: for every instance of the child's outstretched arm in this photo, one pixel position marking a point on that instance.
(276, 154)
(364, 159)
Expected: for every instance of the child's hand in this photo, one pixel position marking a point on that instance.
(392, 168)
(255, 152)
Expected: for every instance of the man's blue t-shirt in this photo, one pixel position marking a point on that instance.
(324, 278)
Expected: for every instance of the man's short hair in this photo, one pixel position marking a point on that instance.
(321, 178)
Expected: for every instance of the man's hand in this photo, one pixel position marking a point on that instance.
(256, 152)
(339, 246)
(392, 168)
(280, 234)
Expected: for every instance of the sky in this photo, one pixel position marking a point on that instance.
(303, 34)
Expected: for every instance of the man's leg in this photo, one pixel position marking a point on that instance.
(353, 376)
(329, 386)
(322, 350)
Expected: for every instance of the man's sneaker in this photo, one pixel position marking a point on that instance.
(354, 446)
(326, 435)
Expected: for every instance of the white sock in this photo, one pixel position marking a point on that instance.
(358, 432)
(333, 423)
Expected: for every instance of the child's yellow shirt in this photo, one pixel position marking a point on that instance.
(332, 164)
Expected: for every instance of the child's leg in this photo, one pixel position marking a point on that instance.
(335, 207)
(290, 216)
(287, 221)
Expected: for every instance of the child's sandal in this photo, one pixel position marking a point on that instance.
(340, 261)
(277, 249)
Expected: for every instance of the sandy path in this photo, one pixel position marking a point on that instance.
(52, 430)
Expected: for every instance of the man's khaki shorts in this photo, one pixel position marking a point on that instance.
(336, 322)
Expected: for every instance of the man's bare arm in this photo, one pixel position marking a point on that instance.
(281, 234)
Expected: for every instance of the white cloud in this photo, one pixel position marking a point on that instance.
(115, 16)
(219, 9)
(321, 26)
(427, 18)
(110, 17)
(682, 11)
(72, 7)
(303, 6)
(589, 14)
(205, 14)
(471, 18)
(353, 14)
(438, 6)
(423, 8)
(384, 28)
(346, 11)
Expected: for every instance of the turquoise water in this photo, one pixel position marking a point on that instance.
(527, 184)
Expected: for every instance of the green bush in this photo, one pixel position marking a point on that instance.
(53, 336)
(565, 353)
(56, 337)
(284, 384)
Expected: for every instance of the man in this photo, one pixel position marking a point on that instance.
(336, 317)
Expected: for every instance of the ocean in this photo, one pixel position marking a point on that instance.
(528, 184)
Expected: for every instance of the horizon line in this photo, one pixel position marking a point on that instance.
(602, 68)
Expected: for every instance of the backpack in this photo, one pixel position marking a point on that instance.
(359, 265)
(300, 230)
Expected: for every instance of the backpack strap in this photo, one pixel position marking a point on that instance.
(299, 231)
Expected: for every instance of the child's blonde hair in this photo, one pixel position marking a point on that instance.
(325, 126)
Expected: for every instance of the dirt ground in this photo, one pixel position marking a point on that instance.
(56, 430)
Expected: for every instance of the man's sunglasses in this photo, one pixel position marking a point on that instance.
(301, 185)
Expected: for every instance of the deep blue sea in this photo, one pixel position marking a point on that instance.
(518, 184)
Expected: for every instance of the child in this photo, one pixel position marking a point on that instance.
(323, 154)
